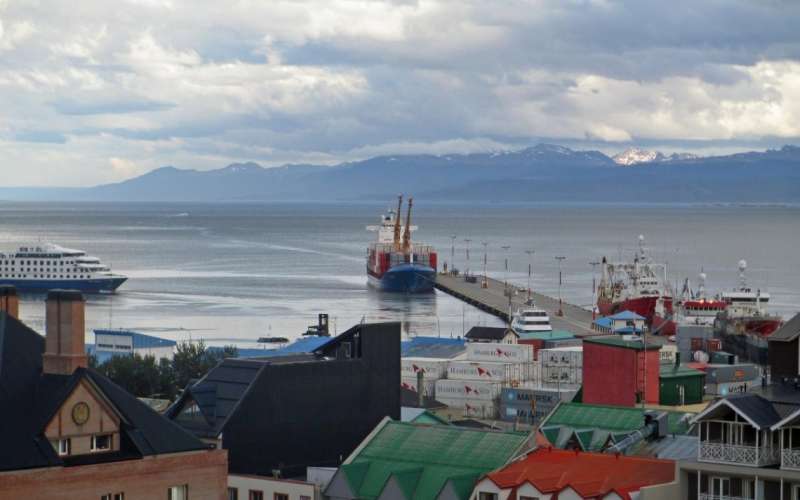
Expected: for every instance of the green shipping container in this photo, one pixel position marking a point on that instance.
(680, 385)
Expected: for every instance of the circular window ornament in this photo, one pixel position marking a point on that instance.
(80, 413)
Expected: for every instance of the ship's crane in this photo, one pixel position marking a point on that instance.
(396, 241)
(407, 234)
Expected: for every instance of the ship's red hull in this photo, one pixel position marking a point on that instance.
(643, 306)
(662, 326)
(763, 327)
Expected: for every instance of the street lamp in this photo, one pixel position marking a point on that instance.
(467, 241)
(452, 252)
(594, 265)
(485, 282)
(505, 276)
(560, 258)
(530, 270)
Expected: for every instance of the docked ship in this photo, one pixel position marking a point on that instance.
(531, 319)
(394, 263)
(693, 308)
(745, 325)
(634, 286)
(46, 267)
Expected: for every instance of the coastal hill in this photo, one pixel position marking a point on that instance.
(544, 172)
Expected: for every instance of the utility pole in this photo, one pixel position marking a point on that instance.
(452, 252)
(505, 276)
(467, 241)
(560, 258)
(530, 271)
(485, 282)
(594, 265)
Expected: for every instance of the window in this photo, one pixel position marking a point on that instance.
(178, 492)
(233, 493)
(101, 442)
(487, 496)
(115, 496)
(280, 496)
(305, 497)
(63, 447)
(528, 498)
(256, 495)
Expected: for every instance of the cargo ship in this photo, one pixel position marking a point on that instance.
(746, 325)
(394, 263)
(634, 286)
(691, 309)
(46, 267)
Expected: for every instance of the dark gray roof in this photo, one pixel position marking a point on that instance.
(410, 399)
(788, 332)
(677, 447)
(486, 333)
(30, 398)
(756, 408)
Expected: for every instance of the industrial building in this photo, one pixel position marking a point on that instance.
(279, 415)
(620, 370)
(70, 432)
(410, 461)
(109, 343)
(680, 385)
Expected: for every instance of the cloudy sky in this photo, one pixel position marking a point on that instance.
(94, 91)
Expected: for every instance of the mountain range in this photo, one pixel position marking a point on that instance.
(542, 173)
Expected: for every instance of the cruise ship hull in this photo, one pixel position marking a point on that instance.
(405, 278)
(86, 285)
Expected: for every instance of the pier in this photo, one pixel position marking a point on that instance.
(494, 300)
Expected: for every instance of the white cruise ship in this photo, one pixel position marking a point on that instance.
(46, 267)
(531, 319)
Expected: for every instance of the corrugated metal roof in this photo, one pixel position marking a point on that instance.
(626, 315)
(432, 347)
(140, 340)
(671, 371)
(620, 342)
(788, 332)
(552, 335)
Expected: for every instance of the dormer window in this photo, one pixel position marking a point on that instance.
(101, 442)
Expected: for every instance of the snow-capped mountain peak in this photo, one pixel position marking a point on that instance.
(633, 156)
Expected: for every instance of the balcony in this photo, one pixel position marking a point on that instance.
(709, 496)
(790, 459)
(738, 454)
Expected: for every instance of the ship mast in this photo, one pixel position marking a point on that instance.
(396, 242)
(407, 234)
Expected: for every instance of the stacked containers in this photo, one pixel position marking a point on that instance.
(530, 405)
(432, 369)
(561, 368)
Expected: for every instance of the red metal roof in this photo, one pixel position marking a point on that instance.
(591, 475)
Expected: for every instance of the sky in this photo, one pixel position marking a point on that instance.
(96, 91)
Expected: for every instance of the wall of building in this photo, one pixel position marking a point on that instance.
(295, 490)
(205, 472)
(316, 413)
(783, 359)
(611, 375)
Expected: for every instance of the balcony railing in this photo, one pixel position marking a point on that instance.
(738, 454)
(709, 496)
(790, 459)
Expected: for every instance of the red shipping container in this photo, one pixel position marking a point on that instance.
(697, 344)
(713, 345)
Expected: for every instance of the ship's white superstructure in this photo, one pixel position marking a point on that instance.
(531, 319)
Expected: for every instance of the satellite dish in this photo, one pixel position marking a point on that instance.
(700, 357)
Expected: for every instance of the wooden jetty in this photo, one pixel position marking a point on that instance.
(494, 300)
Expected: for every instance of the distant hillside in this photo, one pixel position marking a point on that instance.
(540, 173)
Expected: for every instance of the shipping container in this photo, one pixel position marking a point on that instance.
(467, 389)
(727, 388)
(472, 407)
(428, 386)
(680, 385)
(432, 368)
(719, 374)
(667, 353)
(561, 356)
(491, 371)
(558, 343)
(723, 358)
(508, 353)
(562, 374)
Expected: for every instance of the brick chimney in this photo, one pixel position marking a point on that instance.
(9, 302)
(64, 326)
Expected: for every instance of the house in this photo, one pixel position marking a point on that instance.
(248, 487)
(549, 473)
(491, 334)
(620, 370)
(409, 461)
(69, 432)
(748, 449)
(280, 415)
(784, 350)
(109, 343)
(621, 323)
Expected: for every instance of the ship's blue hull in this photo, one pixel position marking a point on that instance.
(406, 278)
(87, 286)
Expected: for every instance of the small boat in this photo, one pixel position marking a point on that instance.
(531, 319)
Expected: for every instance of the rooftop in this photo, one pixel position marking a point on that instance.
(672, 371)
(432, 347)
(617, 341)
(788, 332)
(591, 475)
(492, 333)
(140, 340)
(551, 335)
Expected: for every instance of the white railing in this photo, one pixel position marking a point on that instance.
(790, 459)
(737, 454)
(709, 496)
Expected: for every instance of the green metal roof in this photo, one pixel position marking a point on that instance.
(621, 342)
(670, 371)
(427, 417)
(553, 335)
(423, 458)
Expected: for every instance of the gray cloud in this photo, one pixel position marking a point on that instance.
(112, 93)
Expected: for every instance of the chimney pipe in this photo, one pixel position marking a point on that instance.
(65, 348)
(677, 360)
(9, 302)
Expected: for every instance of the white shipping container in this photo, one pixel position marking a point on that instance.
(561, 356)
(467, 389)
(428, 386)
(472, 408)
(490, 371)
(667, 353)
(433, 368)
(562, 374)
(508, 353)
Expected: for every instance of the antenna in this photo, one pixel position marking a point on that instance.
(407, 235)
